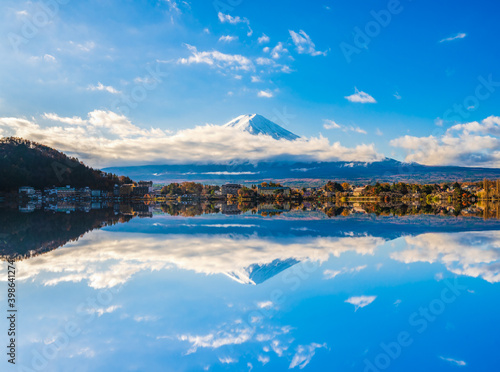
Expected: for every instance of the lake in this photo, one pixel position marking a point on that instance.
(264, 288)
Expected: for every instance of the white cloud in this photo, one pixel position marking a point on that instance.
(101, 311)
(304, 44)
(360, 97)
(304, 354)
(264, 359)
(265, 94)
(378, 132)
(456, 362)
(469, 144)
(206, 31)
(145, 318)
(119, 259)
(101, 87)
(256, 79)
(460, 35)
(218, 339)
(46, 58)
(227, 360)
(474, 254)
(263, 39)
(397, 96)
(330, 274)
(265, 304)
(218, 60)
(228, 38)
(360, 301)
(106, 138)
(264, 61)
(49, 58)
(226, 18)
(85, 47)
(278, 51)
(75, 120)
(330, 124)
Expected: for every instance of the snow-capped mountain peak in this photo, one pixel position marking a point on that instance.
(257, 124)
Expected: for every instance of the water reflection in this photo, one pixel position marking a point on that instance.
(214, 287)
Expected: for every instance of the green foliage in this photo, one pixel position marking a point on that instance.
(185, 188)
(26, 163)
(333, 187)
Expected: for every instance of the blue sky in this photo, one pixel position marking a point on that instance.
(208, 62)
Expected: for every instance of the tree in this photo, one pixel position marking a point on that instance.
(346, 186)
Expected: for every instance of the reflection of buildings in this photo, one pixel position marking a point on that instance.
(230, 189)
(27, 208)
(273, 191)
(273, 208)
(229, 209)
(141, 210)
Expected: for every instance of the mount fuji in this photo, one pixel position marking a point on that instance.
(257, 124)
(297, 171)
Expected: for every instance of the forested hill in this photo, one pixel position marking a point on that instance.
(27, 163)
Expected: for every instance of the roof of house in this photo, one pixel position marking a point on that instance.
(273, 188)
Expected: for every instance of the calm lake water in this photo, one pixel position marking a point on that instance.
(246, 292)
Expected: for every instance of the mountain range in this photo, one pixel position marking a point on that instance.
(298, 172)
(28, 163)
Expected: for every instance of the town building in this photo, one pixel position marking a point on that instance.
(230, 189)
(358, 191)
(26, 191)
(273, 191)
(126, 190)
(143, 188)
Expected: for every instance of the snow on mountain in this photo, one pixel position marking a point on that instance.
(257, 124)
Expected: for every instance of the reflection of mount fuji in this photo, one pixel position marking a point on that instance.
(257, 273)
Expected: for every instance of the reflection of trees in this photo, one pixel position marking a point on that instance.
(188, 210)
(27, 234)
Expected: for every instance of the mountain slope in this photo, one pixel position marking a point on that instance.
(305, 173)
(27, 163)
(257, 124)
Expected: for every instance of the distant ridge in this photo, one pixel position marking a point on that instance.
(257, 124)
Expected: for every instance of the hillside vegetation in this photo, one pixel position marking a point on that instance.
(27, 163)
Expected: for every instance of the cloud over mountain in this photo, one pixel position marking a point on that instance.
(105, 138)
(470, 144)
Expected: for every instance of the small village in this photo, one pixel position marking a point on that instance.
(269, 198)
